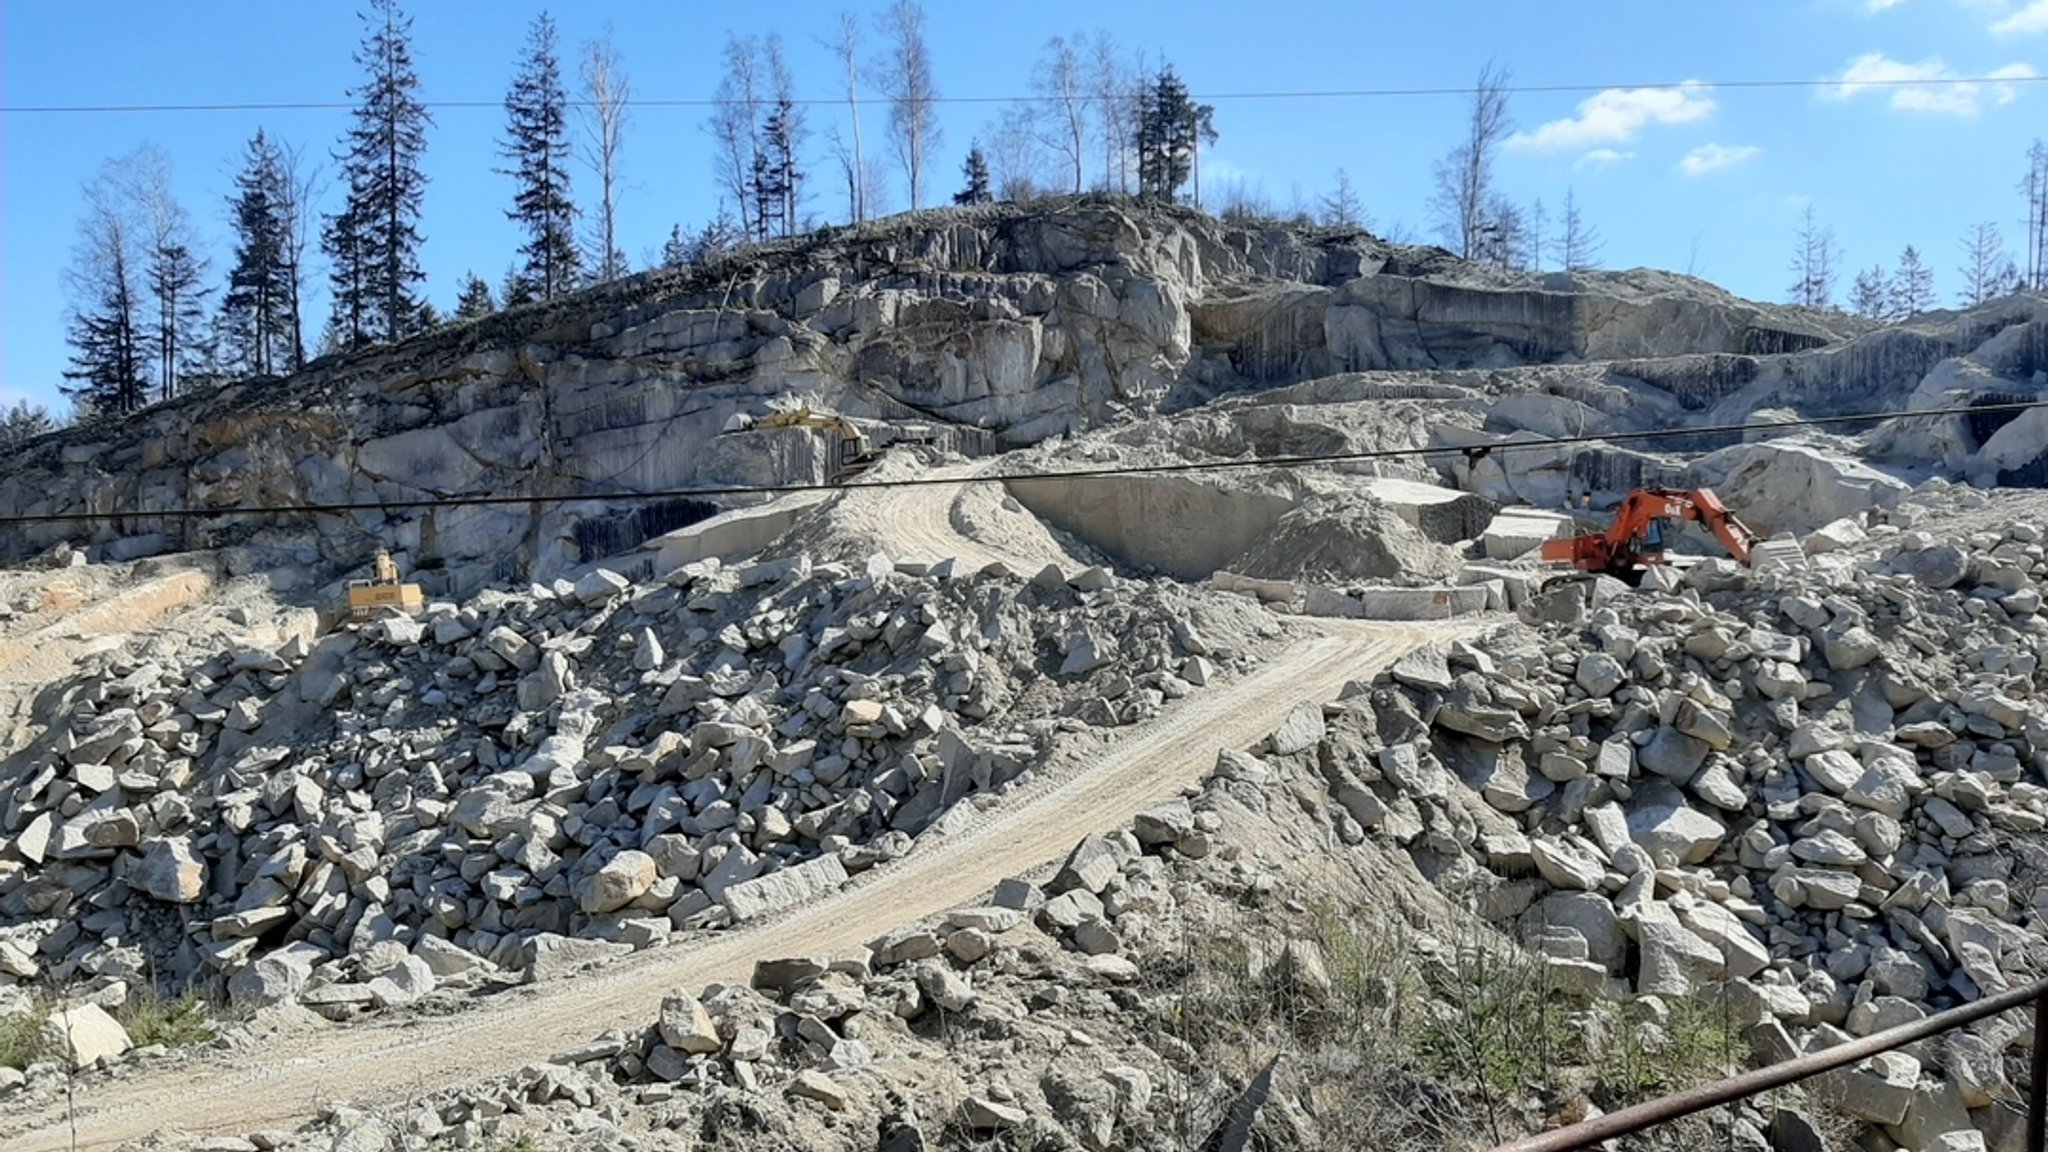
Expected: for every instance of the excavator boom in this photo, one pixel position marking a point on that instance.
(1635, 540)
(856, 452)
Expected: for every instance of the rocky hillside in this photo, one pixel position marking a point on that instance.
(765, 811)
(999, 327)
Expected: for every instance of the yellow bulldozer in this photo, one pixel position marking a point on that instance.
(855, 451)
(382, 590)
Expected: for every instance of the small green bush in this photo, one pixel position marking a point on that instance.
(179, 1023)
(21, 1036)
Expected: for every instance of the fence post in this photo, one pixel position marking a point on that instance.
(2037, 1096)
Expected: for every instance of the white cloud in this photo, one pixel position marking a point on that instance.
(1617, 115)
(2032, 18)
(1601, 157)
(1881, 5)
(1927, 86)
(1714, 157)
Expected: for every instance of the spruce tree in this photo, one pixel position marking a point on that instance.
(676, 252)
(782, 135)
(110, 347)
(342, 237)
(24, 422)
(1815, 261)
(975, 171)
(778, 182)
(537, 144)
(1171, 126)
(1868, 297)
(475, 299)
(1912, 286)
(374, 242)
(1578, 243)
(255, 311)
(516, 289)
(175, 273)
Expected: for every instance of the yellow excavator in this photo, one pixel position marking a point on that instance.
(855, 451)
(382, 590)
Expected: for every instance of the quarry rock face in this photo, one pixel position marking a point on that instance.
(992, 327)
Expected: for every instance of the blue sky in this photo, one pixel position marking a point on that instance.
(1710, 178)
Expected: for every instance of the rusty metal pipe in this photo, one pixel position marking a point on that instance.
(2037, 1094)
(1669, 1108)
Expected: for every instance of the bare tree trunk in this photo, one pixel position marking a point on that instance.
(300, 189)
(1464, 178)
(735, 126)
(1061, 116)
(847, 48)
(906, 78)
(606, 92)
(2036, 239)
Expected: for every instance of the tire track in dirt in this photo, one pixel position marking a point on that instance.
(1086, 789)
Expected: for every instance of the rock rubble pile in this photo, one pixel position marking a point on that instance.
(1816, 793)
(538, 779)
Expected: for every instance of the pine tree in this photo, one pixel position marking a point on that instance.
(374, 242)
(1814, 264)
(676, 252)
(172, 267)
(1868, 296)
(516, 290)
(475, 299)
(782, 137)
(735, 129)
(1983, 259)
(1534, 242)
(110, 351)
(1504, 235)
(24, 422)
(1578, 243)
(175, 273)
(255, 310)
(537, 144)
(1342, 208)
(716, 238)
(1170, 129)
(342, 237)
(975, 171)
(2034, 241)
(1912, 286)
(1463, 179)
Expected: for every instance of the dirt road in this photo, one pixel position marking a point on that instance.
(1091, 789)
(966, 521)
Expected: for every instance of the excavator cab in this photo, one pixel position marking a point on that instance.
(1651, 542)
(382, 590)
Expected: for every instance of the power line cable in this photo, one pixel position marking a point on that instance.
(830, 101)
(1471, 452)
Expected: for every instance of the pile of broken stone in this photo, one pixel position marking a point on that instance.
(916, 1034)
(1817, 793)
(542, 778)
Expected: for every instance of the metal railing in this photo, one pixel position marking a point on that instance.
(1668, 1108)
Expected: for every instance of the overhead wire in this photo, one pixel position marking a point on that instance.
(1842, 84)
(1472, 452)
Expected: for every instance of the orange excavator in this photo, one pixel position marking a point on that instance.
(1635, 540)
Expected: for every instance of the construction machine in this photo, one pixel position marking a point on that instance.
(1635, 540)
(382, 590)
(855, 451)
